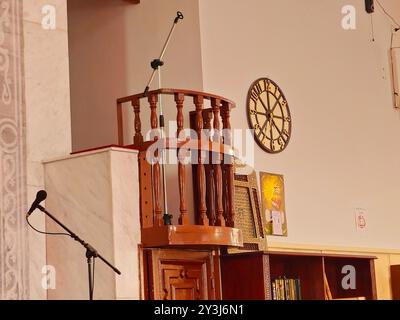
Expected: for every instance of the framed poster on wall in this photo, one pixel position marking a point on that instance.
(273, 203)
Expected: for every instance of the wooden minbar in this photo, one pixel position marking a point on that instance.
(182, 261)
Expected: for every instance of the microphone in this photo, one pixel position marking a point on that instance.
(40, 196)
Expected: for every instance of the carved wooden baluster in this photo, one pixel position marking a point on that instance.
(138, 139)
(120, 125)
(228, 163)
(153, 99)
(210, 189)
(220, 221)
(199, 101)
(183, 218)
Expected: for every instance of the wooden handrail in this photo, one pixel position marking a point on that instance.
(169, 91)
(214, 181)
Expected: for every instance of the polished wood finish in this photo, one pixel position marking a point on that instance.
(244, 277)
(262, 267)
(153, 99)
(168, 91)
(138, 139)
(201, 178)
(208, 189)
(181, 275)
(120, 124)
(395, 281)
(145, 184)
(183, 218)
(228, 164)
(191, 235)
(365, 282)
(216, 107)
(210, 186)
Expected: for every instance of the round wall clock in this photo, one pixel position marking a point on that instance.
(269, 115)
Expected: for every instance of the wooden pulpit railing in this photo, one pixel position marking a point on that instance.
(215, 224)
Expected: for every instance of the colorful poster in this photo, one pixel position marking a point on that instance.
(273, 203)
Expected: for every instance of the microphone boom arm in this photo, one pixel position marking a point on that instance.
(155, 64)
(93, 252)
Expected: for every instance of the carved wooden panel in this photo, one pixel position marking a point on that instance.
(248, 216)
(180, 275)
(184, 281)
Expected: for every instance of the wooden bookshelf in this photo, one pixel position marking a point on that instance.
(258, 269)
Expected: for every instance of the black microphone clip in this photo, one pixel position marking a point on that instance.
(179, 16)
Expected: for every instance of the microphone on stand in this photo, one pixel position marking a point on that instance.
(40, 196)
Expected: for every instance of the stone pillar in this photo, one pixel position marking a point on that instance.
(48, 120)
(34, 125)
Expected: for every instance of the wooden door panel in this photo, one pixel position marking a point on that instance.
(184, 282)
(181, 275)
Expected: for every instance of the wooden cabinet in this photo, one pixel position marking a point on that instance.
(318, 275)
(181, 275)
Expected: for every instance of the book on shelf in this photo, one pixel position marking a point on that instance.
(286, 289)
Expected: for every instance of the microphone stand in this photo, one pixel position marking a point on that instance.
(91, 253)
(156, 66)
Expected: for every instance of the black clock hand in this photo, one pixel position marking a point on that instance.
(265, 107)
(275, 125)
(276, 103)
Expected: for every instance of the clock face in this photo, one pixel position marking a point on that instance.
(269, 115)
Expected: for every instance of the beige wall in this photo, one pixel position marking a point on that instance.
(111, 45)
(344, 150)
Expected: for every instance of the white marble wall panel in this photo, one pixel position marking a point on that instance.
(96, 195)
(48, 121)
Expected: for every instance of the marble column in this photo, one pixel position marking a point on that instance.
(48, 120)
(34, 125)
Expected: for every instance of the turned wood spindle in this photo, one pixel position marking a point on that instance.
(184, 217)
(210, 189)
(120, 125)
(138, 139)
(153, 99)
(199, 102)
(216, 106)
(228, 164)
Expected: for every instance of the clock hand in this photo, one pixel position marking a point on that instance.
(269, 102)
(260, 113)
(271, 132)
(273, 122)
(264, 125)
(265, 107)
(276, 103)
